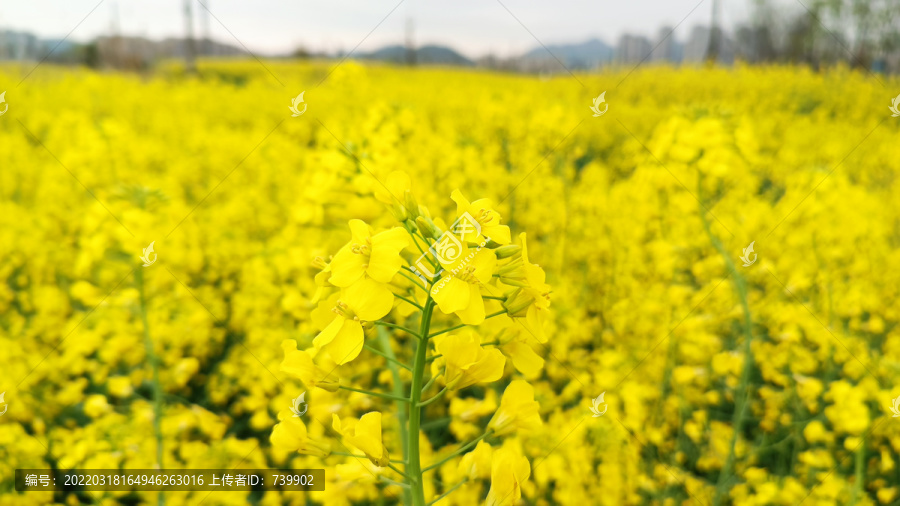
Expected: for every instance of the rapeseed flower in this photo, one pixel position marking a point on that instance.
(466, 362)
(459, 288)
(514, 344)
(509, 471)
(477, 463)
(488, 220)
(364, 434)
(622, 242)
(365, 301)
(518, 410)
(291, 434)
(299, 363)
(370, 255)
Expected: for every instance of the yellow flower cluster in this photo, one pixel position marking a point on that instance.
(309, 254)
(463, 270)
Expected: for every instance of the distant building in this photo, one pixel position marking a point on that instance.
(138, 52)
(697, 46)
(115, 51)
(19, 46)
(632, 48)
(668, 49)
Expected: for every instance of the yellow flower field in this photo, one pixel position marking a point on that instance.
(605, 335)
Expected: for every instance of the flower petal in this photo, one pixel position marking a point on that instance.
(462, 204)
(368, 434)
(347, 267)
(369, 299)
(451, 295)
(385, 260)
(359, 231)
(328, 333)
(473, 314)
(500, 234)
(485, 262)
(524, 358)
(488, 368)
(347, 342)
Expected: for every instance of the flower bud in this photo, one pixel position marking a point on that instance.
(412, 207)
(513, 269)
(427, 227)
(329, 386)
(517, 303)
(507, 251)
(398, 212)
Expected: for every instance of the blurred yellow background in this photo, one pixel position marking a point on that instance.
(238, 197)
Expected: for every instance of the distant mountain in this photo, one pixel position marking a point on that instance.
(425, 55)
(586, 55)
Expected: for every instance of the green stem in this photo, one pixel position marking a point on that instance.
(347, 454)
(392, 482)
(389, 358)
(418, 234)
(410, 270)
(407, 300)
(440, 422)
(385, 342)
(375, 394)
(398, 327)
(431, 381)
(451, 329)
(157, 387)
(414, 468)
(449, 491)
(430, 261)
(416, 242)
(860, 471)
(401, 473)
(436, 397)
(462, 449)
(413, 281)
(741, 395)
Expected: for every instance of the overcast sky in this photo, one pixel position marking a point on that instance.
(474, 27)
